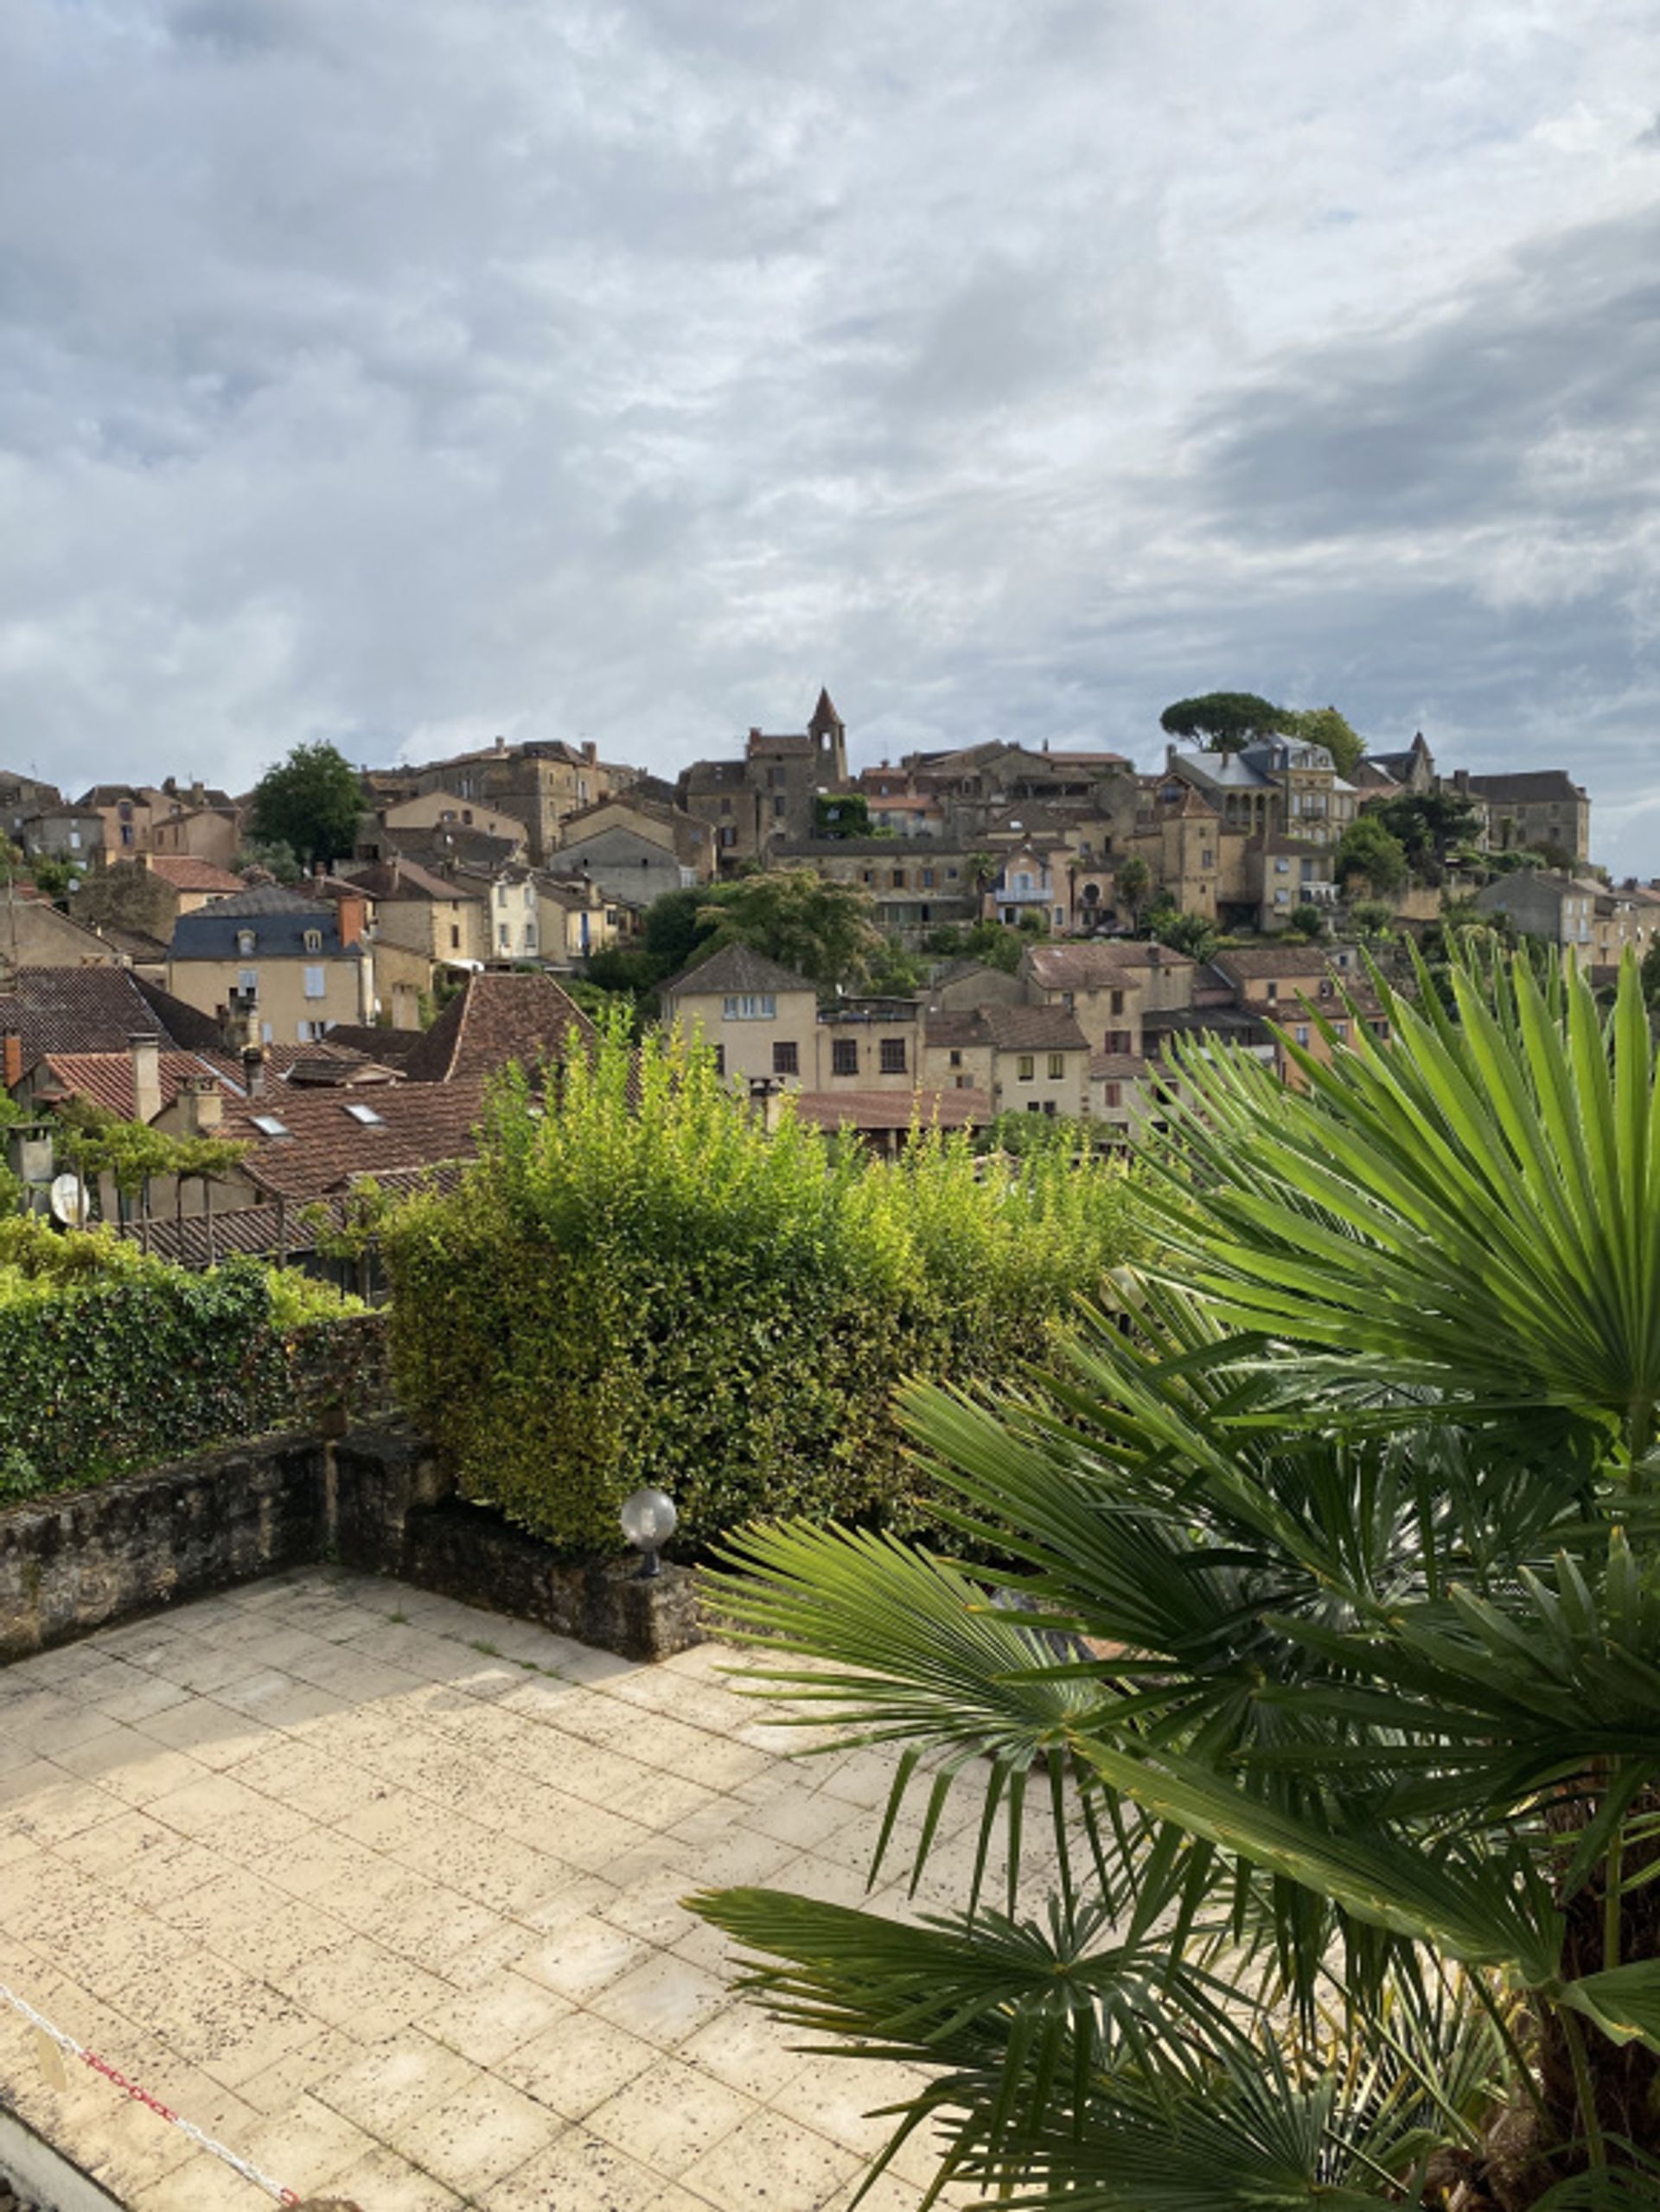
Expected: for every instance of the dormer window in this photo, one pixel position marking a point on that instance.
(313, 941)
(245, 941)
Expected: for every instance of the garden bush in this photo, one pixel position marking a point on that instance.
(640, 1284)
(113, 1361)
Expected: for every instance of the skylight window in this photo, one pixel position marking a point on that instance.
(366, 1115)
(268, 1125)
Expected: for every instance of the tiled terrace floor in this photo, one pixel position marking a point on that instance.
(383, 1893)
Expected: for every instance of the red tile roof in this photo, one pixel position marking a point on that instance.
(1088, 968)
(186, 873)
(496, 1019)
(106, 1077)
(878, 1110)
(96, 1010)
(1032, 1028)
(326, 1144)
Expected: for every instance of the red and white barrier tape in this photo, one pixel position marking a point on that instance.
(245, 2167)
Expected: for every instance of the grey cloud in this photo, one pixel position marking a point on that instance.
(1439, 425)
(406, 370)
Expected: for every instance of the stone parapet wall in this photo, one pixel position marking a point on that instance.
(78, 1561)
(378, 1500)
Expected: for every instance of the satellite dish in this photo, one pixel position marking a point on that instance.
(69, 1200)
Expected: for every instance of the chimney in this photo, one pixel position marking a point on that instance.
(201, 1104)
(501, 744)
(351, 911)
(590, 753)
(11, 1058)
(146, 1076)
(253, 1071)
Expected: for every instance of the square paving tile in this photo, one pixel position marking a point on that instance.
(387, 1895)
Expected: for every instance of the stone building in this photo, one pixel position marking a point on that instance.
(754, 805)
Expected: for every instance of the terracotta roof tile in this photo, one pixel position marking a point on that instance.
(327, 1141)
(893, 1109)
(1248, 961)
(186, 873)
(106, 1077)
(1102, 962)
(496, 1019)
(95, 1010)
(1032, 1028)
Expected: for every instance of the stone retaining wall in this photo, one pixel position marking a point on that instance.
(376, 1501)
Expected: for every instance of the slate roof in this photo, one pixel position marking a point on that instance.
(495, 1019)
(326, 1144)
(1117, 1066)
(97, 1010)
(1533, 787)
(279, 919)
(737, 969)
(790, 745)
(889, 1110)
(1232, 1023)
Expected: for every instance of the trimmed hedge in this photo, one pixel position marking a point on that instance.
(638, 1284)
(111, 1361)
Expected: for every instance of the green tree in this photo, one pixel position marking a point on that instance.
(993, 943)
(1133, 886)
(1427, 825)
(1321, 1873)
(1371, 918)
(1224, 720)
(276, 858)
(55, 874)
(642, 1275)
(310, 802)
(841, 814)
(1306, 919)
(1192, 933)
(892, 972)
(1368, 851)
(822, 930)
(1324, 725)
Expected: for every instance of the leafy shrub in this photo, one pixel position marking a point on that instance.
(638, 1284)
(114, 1361)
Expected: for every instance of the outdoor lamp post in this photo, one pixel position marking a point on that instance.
(648, 1521)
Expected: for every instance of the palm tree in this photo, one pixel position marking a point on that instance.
(1319, 1867)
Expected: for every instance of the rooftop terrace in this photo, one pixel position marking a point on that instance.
(383, 1893)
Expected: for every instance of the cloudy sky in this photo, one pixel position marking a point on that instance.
(406, 372)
